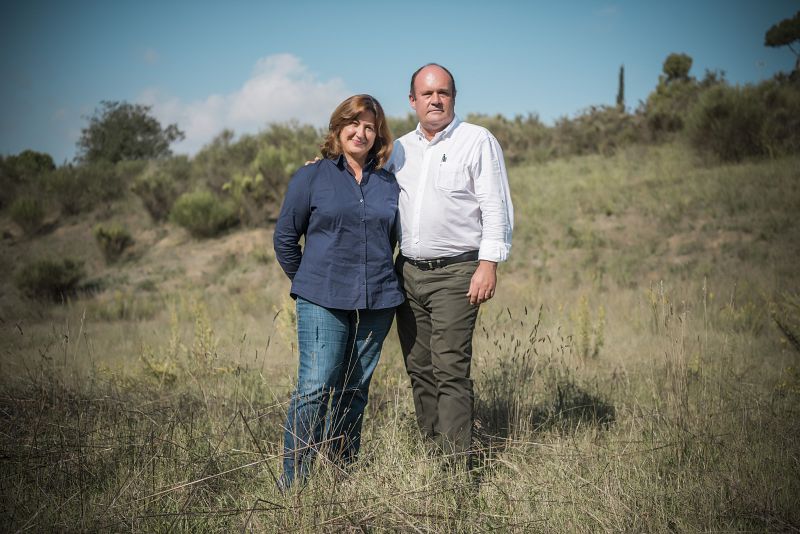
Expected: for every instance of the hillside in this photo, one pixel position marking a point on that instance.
(631, 373)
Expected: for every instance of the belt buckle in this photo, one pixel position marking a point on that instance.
(431, 264)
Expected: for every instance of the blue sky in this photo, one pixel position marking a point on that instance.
(240, 65)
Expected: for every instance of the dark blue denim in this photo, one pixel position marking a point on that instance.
(339, 350)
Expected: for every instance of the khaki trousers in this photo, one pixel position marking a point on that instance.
(435, 326)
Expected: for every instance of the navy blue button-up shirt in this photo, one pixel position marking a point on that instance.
(350, 233)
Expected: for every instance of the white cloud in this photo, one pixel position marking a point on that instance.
(280, 88)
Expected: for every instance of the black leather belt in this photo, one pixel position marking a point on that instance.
(429, 265)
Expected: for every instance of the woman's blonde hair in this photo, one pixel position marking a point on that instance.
(347, 112)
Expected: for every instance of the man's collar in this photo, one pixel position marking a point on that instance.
(448, 129)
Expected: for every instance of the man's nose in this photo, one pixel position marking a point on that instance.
(435, 98)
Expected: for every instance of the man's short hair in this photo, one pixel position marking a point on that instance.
(414, 77)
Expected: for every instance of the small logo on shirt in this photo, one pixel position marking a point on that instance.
(444, 158)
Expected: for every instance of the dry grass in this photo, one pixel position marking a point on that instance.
(630, 375)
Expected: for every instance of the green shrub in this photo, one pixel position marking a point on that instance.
(81, 188)
(257, 189)
(28, 213)
(596, 130)
(665, 109)
(727, 121)
(158, 193)
(112, 240)
(50, 278)
(203, 213)
(521, 138)
(735, 123)
(20, 170)
(161, 185)
(222, 158)
(399, 126)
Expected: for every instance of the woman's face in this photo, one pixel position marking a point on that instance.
(358, 137)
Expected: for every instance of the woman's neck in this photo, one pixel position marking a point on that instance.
(356, 166)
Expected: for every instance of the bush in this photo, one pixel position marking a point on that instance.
(112, 240)
(28, 213)
(665, 109)
(81, 188)
(399, 126)
(727, 121)
(22, 169)
(50, 278)
(522, 139)
(203, 213)
(158, 193)
(596, 130)
(735, 123)
(258, 189)
(161, 185)
(222, 158)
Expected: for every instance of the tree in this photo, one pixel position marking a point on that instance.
(24, 168)
(676, 67)
(784, 33)
(121, 131)
(28, 164)
(621, 89)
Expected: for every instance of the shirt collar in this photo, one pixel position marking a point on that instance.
(341, 163)
(439, 136)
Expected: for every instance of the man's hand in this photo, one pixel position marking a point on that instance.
(481, 287)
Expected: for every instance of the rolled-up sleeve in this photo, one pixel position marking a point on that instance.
(292, 224)
(492, 192)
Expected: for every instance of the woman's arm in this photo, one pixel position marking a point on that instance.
(293, 223)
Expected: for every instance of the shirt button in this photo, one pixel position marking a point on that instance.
(362, 200)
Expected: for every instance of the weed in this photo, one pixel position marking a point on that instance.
(51, 279)
(123, 305)
(590, 330)
(28, 213)
(112, 239)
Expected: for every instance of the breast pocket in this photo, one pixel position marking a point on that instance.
(452, 177)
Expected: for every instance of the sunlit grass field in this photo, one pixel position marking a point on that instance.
(638, 370)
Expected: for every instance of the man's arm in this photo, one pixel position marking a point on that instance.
(497, 214)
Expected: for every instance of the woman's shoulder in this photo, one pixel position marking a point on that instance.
(386, 175)
(310, 170)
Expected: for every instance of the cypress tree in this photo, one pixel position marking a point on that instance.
(621, 89)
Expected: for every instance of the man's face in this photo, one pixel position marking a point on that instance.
(433, 100)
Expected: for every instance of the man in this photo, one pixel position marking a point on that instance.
(456, 221)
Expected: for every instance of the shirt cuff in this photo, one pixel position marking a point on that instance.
(495, 251)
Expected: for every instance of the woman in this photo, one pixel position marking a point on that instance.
(343, 281)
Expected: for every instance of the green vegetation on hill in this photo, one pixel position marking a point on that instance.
(637, 371)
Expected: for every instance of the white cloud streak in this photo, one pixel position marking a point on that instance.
(280, 88)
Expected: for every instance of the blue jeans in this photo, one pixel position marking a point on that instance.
(339, 350)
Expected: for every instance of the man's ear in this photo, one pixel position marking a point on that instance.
(412, 101)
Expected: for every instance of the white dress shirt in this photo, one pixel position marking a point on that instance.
(454, 194)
